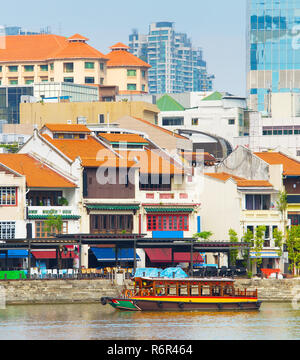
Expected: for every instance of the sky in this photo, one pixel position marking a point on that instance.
(217, 26)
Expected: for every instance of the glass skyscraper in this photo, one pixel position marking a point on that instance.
(176, 66)
(273, 50)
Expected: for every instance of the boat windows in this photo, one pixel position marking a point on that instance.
(228, 290)
(205, 290)
(194, 290)
(216, 290)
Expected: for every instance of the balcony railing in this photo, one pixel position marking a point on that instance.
(44, 211)
(176, 196)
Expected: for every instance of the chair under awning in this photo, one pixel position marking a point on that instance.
(109, 254)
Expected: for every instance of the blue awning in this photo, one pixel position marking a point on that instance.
(14, 254)
(109, 254)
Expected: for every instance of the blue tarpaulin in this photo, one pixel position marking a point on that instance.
(147, 272)
(109, 254)
(155, 272)
(175, 272)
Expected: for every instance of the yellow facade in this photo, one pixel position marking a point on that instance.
(93, 112)
(79, 71)
(121, 77)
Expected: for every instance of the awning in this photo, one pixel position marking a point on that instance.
(14, 254)
(159, 255)
(186, 257)
(51, 254)
(264, 255)
(165, 256)
(46, 217)
(109, 254)
(112, 207)
(168, 210)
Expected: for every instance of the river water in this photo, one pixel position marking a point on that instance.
(274, 321)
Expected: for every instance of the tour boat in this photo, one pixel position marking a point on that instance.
(156, 294)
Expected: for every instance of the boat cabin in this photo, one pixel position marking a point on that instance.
(188, 287)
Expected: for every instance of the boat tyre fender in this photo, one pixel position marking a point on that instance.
(103, 301)
(240, 305)
(160, 304)
(220, 306)
(128, 293)
(181, 305)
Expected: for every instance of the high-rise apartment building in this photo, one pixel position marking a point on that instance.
(176, 66)
(273, 50)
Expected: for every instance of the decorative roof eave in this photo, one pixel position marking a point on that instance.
(45, 217)
(113, 207)
(168, 210)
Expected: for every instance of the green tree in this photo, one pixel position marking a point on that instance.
(278, 240)
(205, 235)
(293, 247)
(248, 239)
(234, 252)
(54, 225)
(259, 239)
(282, 205)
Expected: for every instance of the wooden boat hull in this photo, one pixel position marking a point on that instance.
(188, 304)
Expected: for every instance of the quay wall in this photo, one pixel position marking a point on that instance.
(91, 291)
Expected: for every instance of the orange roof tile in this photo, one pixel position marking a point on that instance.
(37, 174)
(123, 138)
(68, 128)
(45, 47)
(119, 58)
(87, 148)
(119, 45)
(150, 162)
(191, 155)
(290, 166)
(30, 47)
(241, 182)
(78, 37)
(162, 129)
(77, 50)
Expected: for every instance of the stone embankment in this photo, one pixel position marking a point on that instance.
(272, 290)
(57, 291)
(91, 291)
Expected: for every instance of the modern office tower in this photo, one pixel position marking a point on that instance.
(176, 66)
(273, 50)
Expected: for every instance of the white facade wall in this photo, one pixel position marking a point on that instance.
(216, 120)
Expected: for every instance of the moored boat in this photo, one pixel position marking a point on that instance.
(157, 294)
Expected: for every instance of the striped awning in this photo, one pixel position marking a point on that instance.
(264, 255)
(112, 207)
(46, 217)
(168, 210)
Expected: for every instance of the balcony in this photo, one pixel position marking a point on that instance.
(271, 214)
(42, 212)
(170, 197)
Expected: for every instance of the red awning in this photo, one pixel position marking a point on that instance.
(165, 256)
(186, 257)
(51, 254)
(159, 255)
